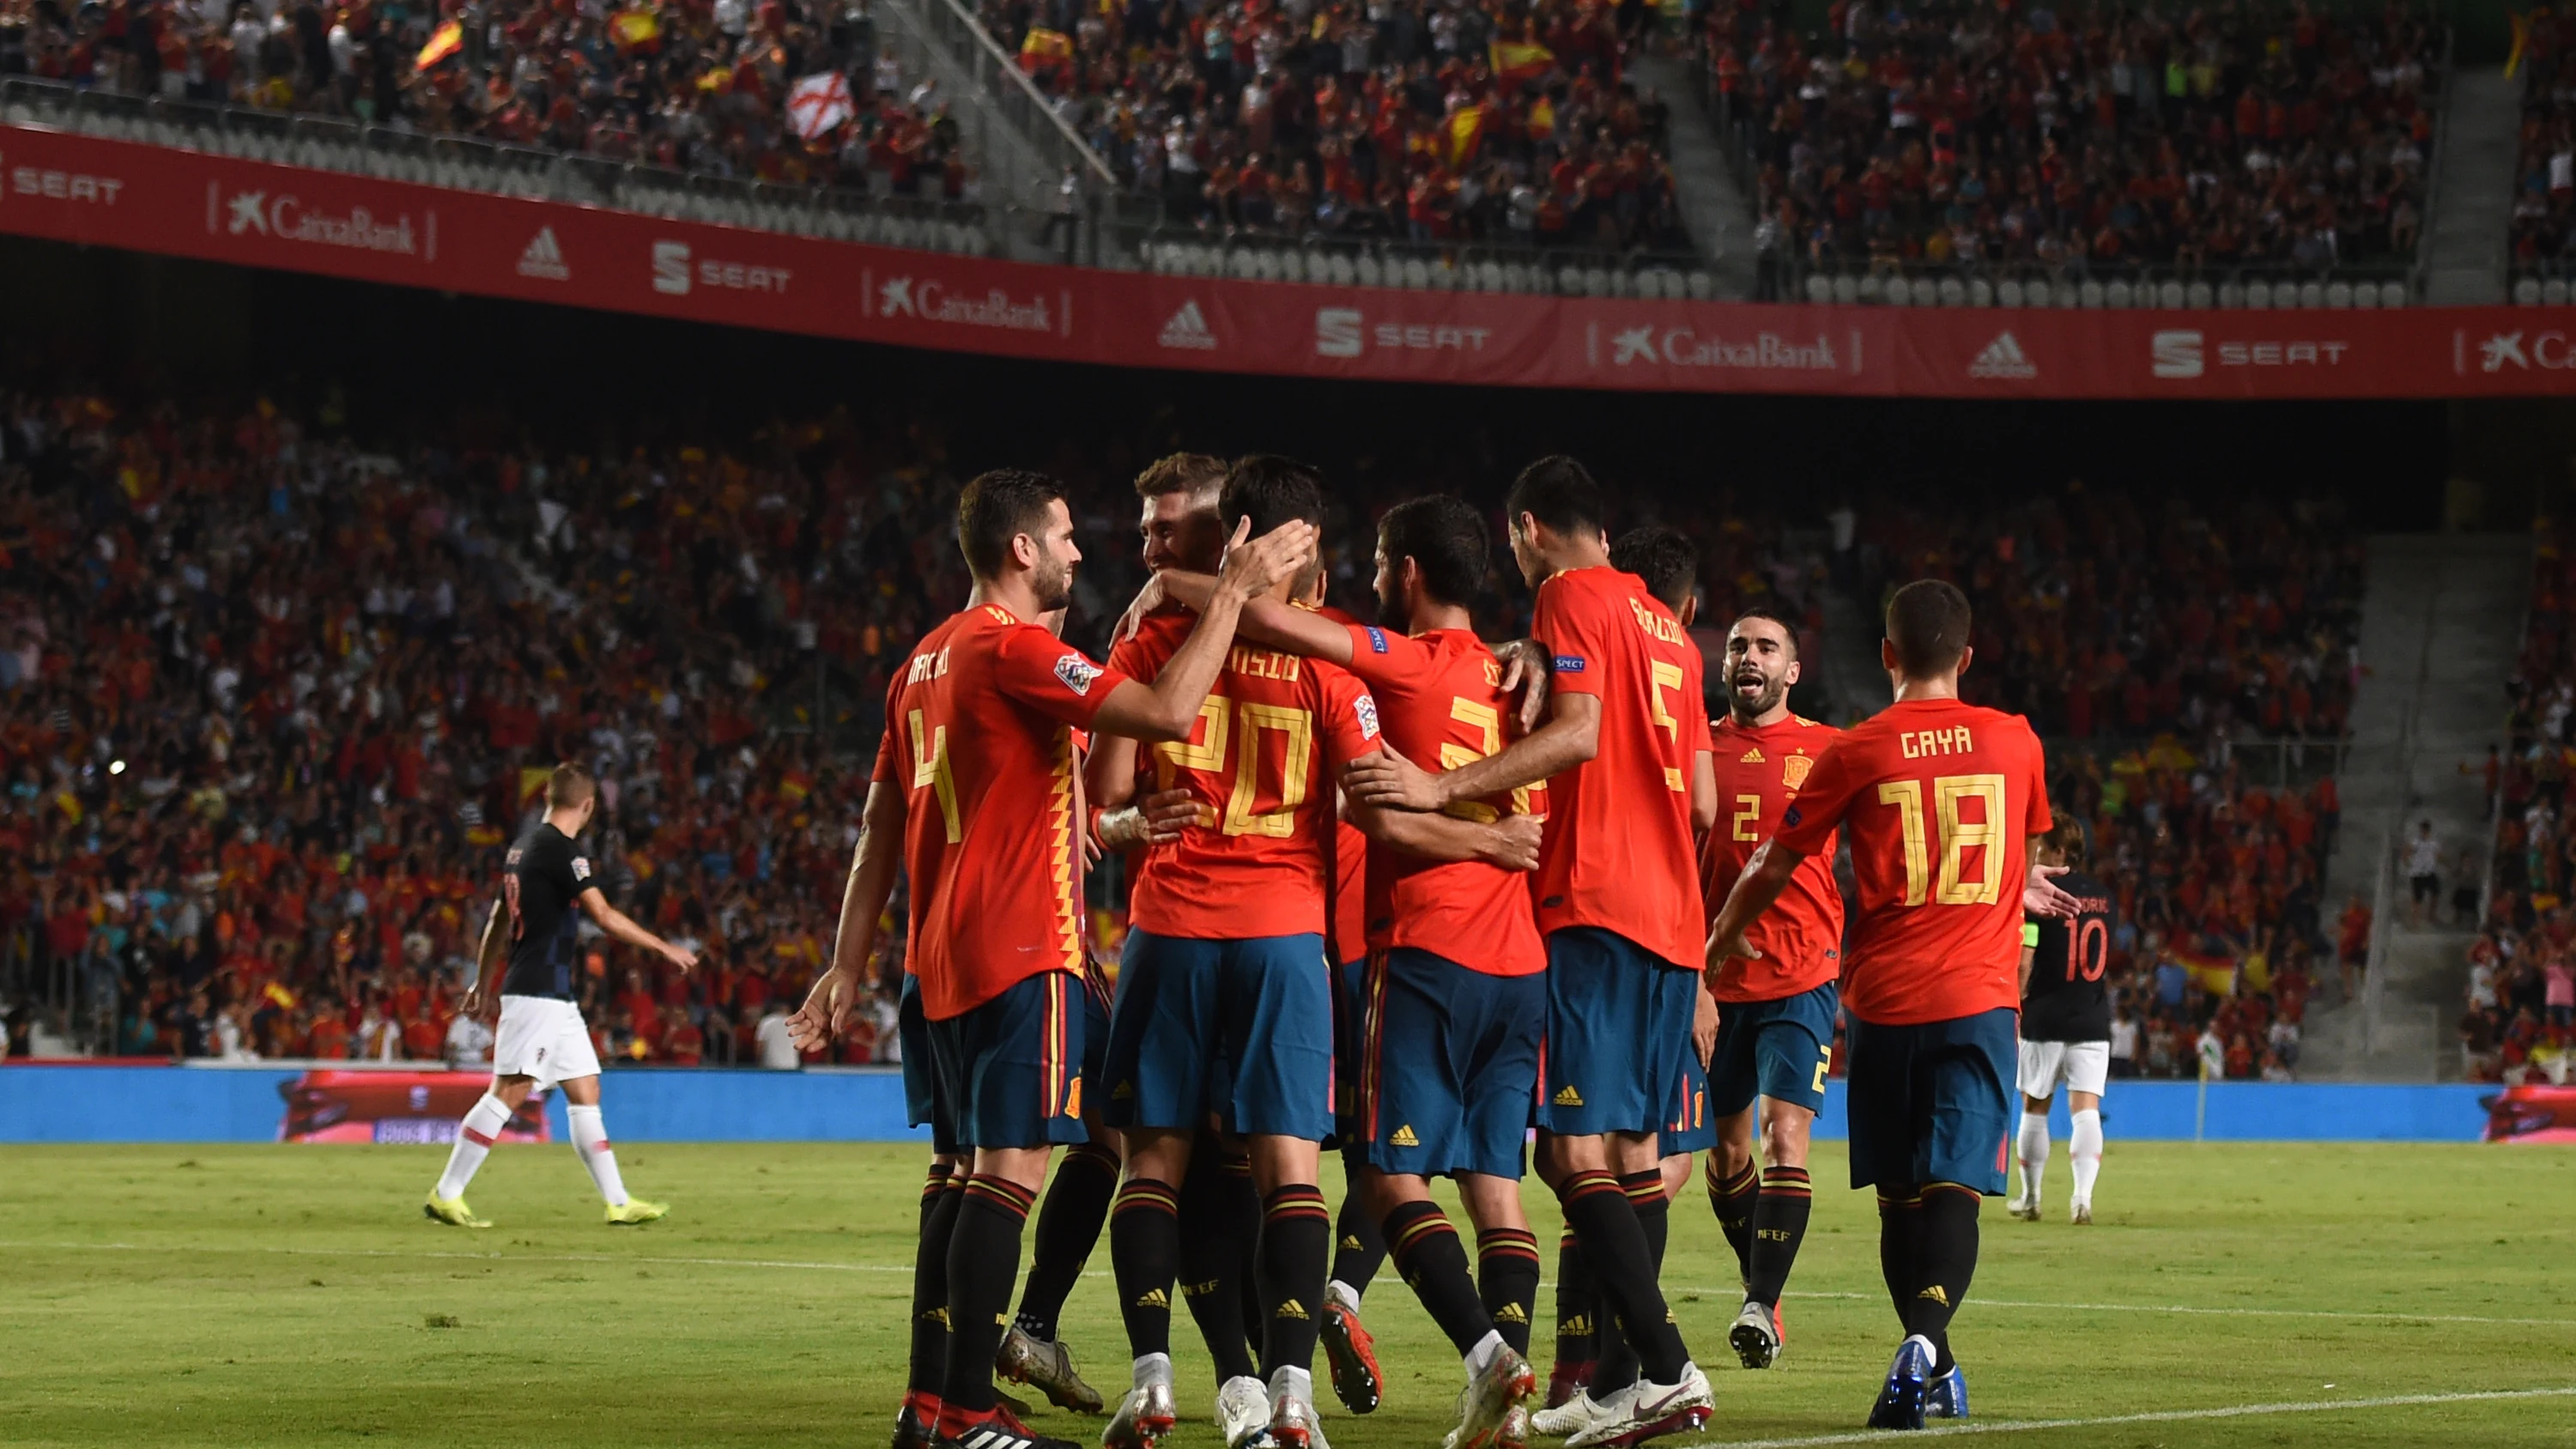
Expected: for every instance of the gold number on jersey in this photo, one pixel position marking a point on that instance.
(1957, 836)
(1487, 721)
(1299, 727)
(930, 767)
(1824, 1064)
(1748, 817)
(1669, 676)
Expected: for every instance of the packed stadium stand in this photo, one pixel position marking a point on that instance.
(2055, 146)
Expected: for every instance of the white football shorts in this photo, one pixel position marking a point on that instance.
(2083, 1066)
(546, 1039)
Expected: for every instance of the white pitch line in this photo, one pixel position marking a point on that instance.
(2168, 1416)
(437, 1255)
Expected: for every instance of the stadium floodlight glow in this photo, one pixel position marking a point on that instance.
(116, 767)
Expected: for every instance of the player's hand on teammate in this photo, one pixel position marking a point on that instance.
(1389, 781)
(1254, 566)
(826, 1012)
(2040, 895)
(1149, 600)
(1528, 668)
(1166, 814)
(1514, 844)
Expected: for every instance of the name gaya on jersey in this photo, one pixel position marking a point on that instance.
(1261, 762)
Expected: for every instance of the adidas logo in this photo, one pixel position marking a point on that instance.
(1937, 1294)
(1154, 1298)
(544, 258)
(1352, 1242)
(1510, 1313)
(1579, 1326)
(936, 1315)
(1404, 1137)
(1566, 1096)
(1752, 756)
(1291, 1308)
(1124, 1091)
(1188, 329)
(2003, 358)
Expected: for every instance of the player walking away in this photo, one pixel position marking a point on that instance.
(1776, 1009)
(1939, 799)
(1624, 744)
(1225, 995)
(1455, 1002)
(974, 799)
(2065, 1025)
(543, 1041)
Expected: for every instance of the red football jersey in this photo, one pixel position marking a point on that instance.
(1263, 760)
(1440, 696)
(1759, 771)
(1618, 852)
(979, 735)
(1940, 800)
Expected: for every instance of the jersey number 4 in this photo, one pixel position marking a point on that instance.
(1958, 835)
(930, 767)
(1208, 756)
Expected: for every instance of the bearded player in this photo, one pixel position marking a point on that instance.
(974, 800)
(1940, 799)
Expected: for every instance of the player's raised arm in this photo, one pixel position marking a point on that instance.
(616, 923)
(826, 1010)
(1169, 707)
(1266, 621)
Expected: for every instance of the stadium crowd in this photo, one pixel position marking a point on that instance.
(2544, 203)
(2519, 1017)
(1413, 119)
(2083, 140)
(696, 87)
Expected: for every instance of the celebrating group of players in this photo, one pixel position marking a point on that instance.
(1395, 887)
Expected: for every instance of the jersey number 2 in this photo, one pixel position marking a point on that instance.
(1958, 835)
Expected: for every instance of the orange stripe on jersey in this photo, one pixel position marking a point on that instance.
(1061, 852)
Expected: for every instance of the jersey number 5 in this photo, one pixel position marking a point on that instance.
(1487, 722)
(1958, 835)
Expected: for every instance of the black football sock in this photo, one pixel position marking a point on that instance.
(1614, 1243)
(1507, 1272)
(1945, 1245)
(1779, 1225)
(1145, 1251)
(1077, 1203)
(1433, 1263)
(1296, 1239)
(1242, 1198)
(983, 1263)
(1359, 1249)
(1897, 1205)
(1578, 1306)
(930, 1282)
(1213, 1279)
(1734, 1200)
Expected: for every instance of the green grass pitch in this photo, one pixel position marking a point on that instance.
(177, 1295)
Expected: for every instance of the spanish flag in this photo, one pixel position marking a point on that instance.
(1542, 119)
(2215, 973)
(1518, 62)
(795, 785)
(279, 994)
(1461, 133)
(1042, 47)
(635, 28)
(532, 781)
(2521, 42)
(445, 41)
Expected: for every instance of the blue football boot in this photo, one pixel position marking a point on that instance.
(1947, 1397)
(1909, 1375)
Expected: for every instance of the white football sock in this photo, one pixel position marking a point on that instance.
(475, 1135)
(1292, 1383)
(2086, 1151)
(2034, 1154)
(1154, 1368)
(1337, 1291)
(1483, 1352)
(590, 1139)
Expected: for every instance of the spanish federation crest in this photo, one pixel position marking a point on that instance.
(1793, 770)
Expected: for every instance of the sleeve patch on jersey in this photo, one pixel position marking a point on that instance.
(1377, 639)
(581, 867)
(1366, 708)
(1789, 821)
(1077, 673)
(1569, 664)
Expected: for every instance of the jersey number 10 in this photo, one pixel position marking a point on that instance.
(1957, 836)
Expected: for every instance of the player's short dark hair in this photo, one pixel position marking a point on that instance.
(1664, 558)
(1927, 621)
(1559, 492)
(2065, 840)
(1270, 490)
(1787, 625)
(997, 507)
(1446, 538)
(1181, 473)
(568, 785)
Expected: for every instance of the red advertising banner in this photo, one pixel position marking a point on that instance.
(372, 1105)
(183, 203)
